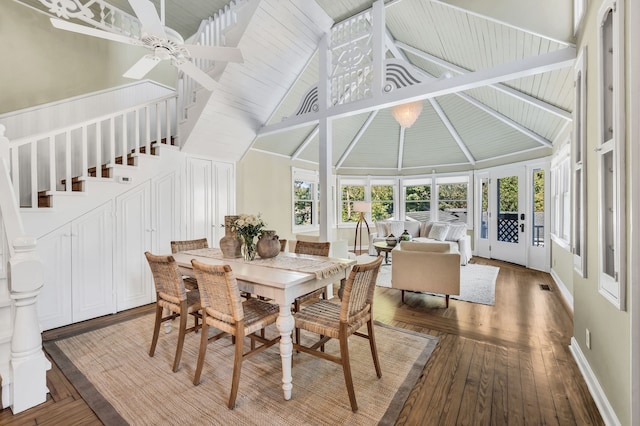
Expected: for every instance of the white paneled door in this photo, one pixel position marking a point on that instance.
(210, 189)
(54, 300)
(134, 234)
(147, 219)
(200, 218)
(92, 264)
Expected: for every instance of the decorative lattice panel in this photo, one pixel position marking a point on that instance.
(351, 59)
(508, 228)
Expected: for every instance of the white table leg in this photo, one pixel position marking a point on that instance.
(285, 324)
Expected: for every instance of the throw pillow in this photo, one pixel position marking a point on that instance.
(381, 229)
(457, 230)
(425, 228)
(396, 227)
(439, 231)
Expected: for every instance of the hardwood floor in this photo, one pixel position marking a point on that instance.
(507, 364)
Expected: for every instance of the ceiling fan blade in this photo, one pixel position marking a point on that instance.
(215, 53)
(148, 16)
(142, 67)
(197, 74)
(82, 29)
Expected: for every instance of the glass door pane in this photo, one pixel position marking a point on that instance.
(484, 208)
(508, 209)
(537, 229)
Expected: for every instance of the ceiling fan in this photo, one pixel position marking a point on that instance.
(165, 43)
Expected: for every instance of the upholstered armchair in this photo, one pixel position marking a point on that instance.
(426, 267)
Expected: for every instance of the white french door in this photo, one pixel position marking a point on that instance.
(502, 215)
(510, 215)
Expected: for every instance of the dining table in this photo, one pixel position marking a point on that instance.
(281, 279)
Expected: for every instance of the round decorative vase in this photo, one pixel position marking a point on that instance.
(248, 249)
(391, 240)
(405, 236)
(268, 244)
(230, 244)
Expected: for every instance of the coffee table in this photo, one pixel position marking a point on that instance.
(382, 246)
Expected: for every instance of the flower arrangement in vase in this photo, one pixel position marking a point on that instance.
(248, 227)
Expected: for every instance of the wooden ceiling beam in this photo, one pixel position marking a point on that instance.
(559, 112)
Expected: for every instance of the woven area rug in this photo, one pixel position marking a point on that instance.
(113, 372)
(477, 282)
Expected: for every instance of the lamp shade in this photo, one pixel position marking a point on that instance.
(361, 206)
(407, 114)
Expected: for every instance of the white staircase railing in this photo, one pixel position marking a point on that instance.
(23, 365)
(53, 162)
(210, 33)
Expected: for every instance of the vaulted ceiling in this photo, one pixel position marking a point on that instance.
(515, 107)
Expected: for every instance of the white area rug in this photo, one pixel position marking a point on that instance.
(477, 282)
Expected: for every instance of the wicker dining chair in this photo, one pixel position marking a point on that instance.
(224, 309)
(340, 321)
(317, 249)
(184, 245)
(283, 245)
(172, 295)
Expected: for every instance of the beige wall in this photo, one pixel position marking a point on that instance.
(609, 356)
(264, 186)
(42, 64)
(562, 265)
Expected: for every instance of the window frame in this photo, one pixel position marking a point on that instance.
(453, 179)
(367, 182)
(415, 181)
(312, 177)
(612, 288)
(560, 174)
(579, 162)
(399, 202)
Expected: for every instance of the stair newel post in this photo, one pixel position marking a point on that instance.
(28, 362)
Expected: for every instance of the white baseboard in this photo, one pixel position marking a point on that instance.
(606, 411)
(568, 297)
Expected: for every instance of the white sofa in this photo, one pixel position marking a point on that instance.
(454, 233)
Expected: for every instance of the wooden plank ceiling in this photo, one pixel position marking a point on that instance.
(499, 123)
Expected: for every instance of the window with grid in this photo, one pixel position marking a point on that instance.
(578, 233)
(417, 200)
(349, 194)
(305, 200)
(561, 196)
(382, 202)
(453, 194)
(611, 154)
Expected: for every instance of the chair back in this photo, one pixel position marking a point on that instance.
(185, 245)
(219, 292)
(283, 245)
(357, 299)
(312, 247)
(167, 278)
